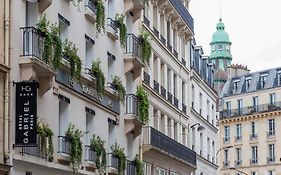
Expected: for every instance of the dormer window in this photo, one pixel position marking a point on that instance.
(235, 86)
(263, 80)
(220, 47)
(279, 77)
(248, 83)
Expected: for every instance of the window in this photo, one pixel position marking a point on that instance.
(200, 102)
(248, 84)
(240, 106)
(201, 144)
(253, 130)
(279, 78)
(155, 17)
(228, 108)
(254, 154)
(213, 151)
(271, 127)
(235, 86)
(111, 69)
(208, 149)
(89, 52)
(271, 172)
(220, 47)
(271, 153)
(183, 92)
(238, 156)
(147, 169)
(175, 85)
(238, 132)
(161, 171)
(272, 98)
(111, 9)
(175, 39)
(169, 74)
(28, 173)
(226, 157)
(226, 134)
(213, 114)
(255, 104)
(63, 117)
(208, 110)
(263, 80)
(254, 173)
(89, 127)
(64, 25)
(168, 32)
(192, 95)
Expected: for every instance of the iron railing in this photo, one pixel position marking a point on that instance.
(166, 144)
(36, 151)
(169, 46)
(156, 86)
(131, 104)
(64, 144)
(112, 161)
(131, 168)
(91, 5)
(133, 45)
(163, 40)
(146, 78)
(163, 92)
(156, 32)
(90, 155)
(176, 102)
(183, 62)
(184, 108)
(176, 54)
(33, 43)
(250, 110)
(112, 23)
(170, 97)
(146, 21)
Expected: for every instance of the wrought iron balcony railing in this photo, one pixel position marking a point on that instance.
(131, 104)
(156, 32)
(163, 92)
(250, 110)
(133, 45)
(184, 108)
(176, 54)
(36, 151)
(170, 97)
(162, 39)
(146, 78)
(160, 141)
(146, 21)
(112, 161)
(176, 102)
(131, 168)
(156, 86)
(64, 144)
(169, 46)
(91, 5)
(112, 23)
(90, 155)
(183, 62)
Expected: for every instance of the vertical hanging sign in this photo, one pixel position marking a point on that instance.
(26, 113)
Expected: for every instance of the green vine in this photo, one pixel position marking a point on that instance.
(143, 104)
(145, 46)
(118, 152)
(70, 51)
(139, 165)
(76, 146)
(100, 15)
(117, 83)
(122, 29)
(46, 136)
(97, 72)
(52, 43)
(97, 145)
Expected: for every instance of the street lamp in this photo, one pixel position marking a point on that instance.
(232, 168)
(226, 147)
(199, 128)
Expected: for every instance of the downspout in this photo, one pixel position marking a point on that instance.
(6, 81)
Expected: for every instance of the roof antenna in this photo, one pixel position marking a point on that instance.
(220, 10)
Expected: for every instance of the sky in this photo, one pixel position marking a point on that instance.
(254, 28)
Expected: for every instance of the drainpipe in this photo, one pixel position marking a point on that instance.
(6, 83)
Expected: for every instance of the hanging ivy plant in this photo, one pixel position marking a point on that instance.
(117, 83)
(52, 49)
(46, 140)
(70, 51)
(97, 145)
(143, 104)
(122, 29)
(118, 152)
(145, 47)
(139, 165)
(100, 15)
(76, 146)
(97, 72)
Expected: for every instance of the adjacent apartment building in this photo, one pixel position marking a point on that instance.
(249, 122)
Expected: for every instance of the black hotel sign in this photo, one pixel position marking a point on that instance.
(26, 113)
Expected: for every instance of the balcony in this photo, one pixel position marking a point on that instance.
(184, 108)
(250, 110)
(183, 62)
(271, 134)
(132, 123)
(238, 163)
(35, 151)
(157, 141)
(176, 102)
(156, 86)
(163, 40)
(112, 163)
(170, 97)
(134, 7)
(131, 168)
(270, 160)
(169, 46)
(90, 159)
(133, 61)
(176, 54)
(156, 32)
(64, 145)
(90, 11)
(146, 21)
(163, 92)
(111, 29)
(33, 65)
(146, 78)
(253, 136)
(237, 138)
(253, 161)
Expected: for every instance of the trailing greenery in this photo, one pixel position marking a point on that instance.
(122, 29)
(145, 46)
(100, 15)
(52, 49)
(76, 146)
(118, 152)
(97, 145)
(139, 165)
(97, 72)
(119, 87)
(70, 51)
(46, 136)
(143, 104)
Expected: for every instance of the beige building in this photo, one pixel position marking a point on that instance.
(4, 87)
(249, 124)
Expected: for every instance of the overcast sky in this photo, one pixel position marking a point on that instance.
(254, 28)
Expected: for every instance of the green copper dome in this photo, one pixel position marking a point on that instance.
(220, 35)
